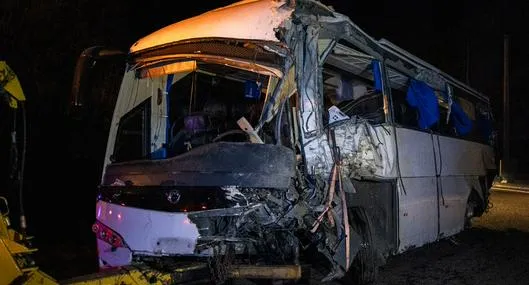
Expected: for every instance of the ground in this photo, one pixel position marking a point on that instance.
(494, 251)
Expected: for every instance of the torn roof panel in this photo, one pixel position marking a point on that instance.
(254, 20)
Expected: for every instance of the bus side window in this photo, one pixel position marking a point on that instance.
(353, 95)
(404, 114)
(485, 124)
(480, 130)
(444, 126)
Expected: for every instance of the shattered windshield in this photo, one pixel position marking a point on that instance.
(204, 106)
(181, 109)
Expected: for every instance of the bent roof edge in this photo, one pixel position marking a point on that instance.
(258, 20)
(247, 19)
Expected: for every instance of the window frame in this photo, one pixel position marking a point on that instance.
(441, 102)
(144, 109)
(362, 77)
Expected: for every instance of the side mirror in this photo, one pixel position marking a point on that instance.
(86, 60)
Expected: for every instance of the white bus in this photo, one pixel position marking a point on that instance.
(277, 132)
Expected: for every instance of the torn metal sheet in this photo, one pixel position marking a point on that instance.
(218, 164)
(366, 151)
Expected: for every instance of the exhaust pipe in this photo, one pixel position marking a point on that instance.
(291, 272)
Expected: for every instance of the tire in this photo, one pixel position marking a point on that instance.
(470, 210)
(364, 268)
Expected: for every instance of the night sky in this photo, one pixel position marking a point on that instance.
(41, 40)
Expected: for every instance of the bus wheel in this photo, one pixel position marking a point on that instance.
(470, 210)
(364, 269)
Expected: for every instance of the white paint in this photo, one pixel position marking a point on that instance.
(452, 203)
(462, 157)
(417, 191)
(417, 212)
(150, 232)
(458, 163)
(416, 153)
(253, 19)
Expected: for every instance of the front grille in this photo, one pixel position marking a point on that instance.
(164, 198)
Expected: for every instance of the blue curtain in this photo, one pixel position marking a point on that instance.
(422, 97)
(460, 120)
(377, 75)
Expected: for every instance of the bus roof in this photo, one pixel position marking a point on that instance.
(248, 19)
(259, 19)
(417, 62)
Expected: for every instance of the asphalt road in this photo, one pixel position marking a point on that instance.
(494, 251)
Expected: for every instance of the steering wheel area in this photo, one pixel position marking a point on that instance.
(180, 139)
(232, 133)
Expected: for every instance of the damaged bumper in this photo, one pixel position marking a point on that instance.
(158, 232)
(266, 218)
(144, 232)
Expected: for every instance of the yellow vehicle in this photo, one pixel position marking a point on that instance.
(16, 262)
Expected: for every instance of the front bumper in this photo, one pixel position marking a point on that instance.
(145, 232)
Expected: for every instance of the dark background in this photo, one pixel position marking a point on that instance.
(41, 41)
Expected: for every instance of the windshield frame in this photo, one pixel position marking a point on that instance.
(273, 64)
(265, 53)
(160, 61)
(259, 56)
